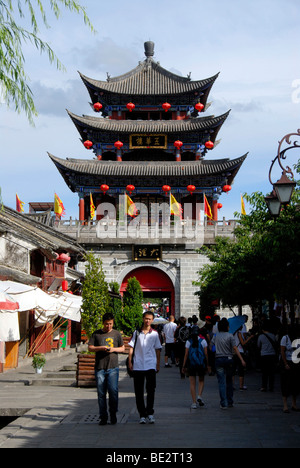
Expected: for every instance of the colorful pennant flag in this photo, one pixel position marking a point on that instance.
(207, 208)
(92, 207)
(175, 207)
(59, 208)
(243, 209)
(130, 207)
(19, 205)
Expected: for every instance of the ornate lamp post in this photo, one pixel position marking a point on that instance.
(283, 188)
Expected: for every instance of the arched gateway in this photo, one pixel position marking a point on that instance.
(154, 283)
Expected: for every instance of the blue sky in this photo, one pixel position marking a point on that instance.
(253, 44)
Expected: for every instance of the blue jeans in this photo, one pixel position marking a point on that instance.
(107, 381)
(224, 369)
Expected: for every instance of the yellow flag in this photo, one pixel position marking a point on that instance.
(92, 207)
(207, 208)
(130, 207)
(243, 209)
(176, 208)
(59, 208)
(19, 205)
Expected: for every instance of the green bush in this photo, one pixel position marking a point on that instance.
(132, 315)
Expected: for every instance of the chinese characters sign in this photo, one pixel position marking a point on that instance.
(147, 252)
(148, 141)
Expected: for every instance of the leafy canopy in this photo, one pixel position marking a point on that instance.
(95, 295)
(263, 262)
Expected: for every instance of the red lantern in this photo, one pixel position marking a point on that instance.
(199, 107)
(64, 285)
(64, 258)
(220, 206)
(118, 144)
(98, 106)
(104, 188)
(209, 145)
(88, 144)
(191, 189)
(178, 144)
(166, 106)
(130, 106)
(166, 189)
(130, 188)
(226, 188)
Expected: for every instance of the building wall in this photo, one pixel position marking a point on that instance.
(15, 253)
(181, 266)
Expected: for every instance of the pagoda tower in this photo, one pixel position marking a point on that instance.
(151, 131)
(151, 137)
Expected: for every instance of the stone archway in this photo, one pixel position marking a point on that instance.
(153, 280)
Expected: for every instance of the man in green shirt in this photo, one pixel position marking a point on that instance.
(107, 343)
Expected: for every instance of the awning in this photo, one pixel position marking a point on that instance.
(9, 327)
(47, 306)
(28, 297)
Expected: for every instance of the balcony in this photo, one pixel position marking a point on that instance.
(182, 232)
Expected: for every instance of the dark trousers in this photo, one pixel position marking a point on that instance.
(268, 369)
(139, 387)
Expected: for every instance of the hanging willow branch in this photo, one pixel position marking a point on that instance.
(14, 88)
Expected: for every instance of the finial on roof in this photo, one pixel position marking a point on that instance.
(149, 49)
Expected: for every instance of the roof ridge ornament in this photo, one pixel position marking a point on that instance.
(149, 49)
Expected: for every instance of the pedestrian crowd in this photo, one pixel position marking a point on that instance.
(198, 349)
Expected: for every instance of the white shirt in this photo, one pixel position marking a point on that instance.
(203, 343)
(145, 350)
(169, 331)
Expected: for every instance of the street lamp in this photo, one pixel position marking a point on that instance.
(283, 188)
(273, 204)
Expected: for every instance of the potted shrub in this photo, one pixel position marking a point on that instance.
(38, 362)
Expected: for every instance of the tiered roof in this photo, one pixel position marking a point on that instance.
(148, 86)
(206, 173)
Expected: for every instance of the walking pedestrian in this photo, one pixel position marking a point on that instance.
(168, 332)
(107, 343)
(225, 349)
(242, 338)
(195, 362)
(145, 366)
(182, 334)
(268, 348)
(290, 369)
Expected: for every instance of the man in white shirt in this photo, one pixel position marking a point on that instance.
(169, 331)
(144, 361)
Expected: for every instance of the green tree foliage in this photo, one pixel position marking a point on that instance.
(132, 315)
(116, 305)
(14, 89)
(95, 295)
(263, 262)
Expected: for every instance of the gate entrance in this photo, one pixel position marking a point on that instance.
(154, 283)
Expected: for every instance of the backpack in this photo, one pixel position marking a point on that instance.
(184, 334)
(196, 355)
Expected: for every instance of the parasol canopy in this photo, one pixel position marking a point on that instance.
(235, 323)
(7, 302)
(159, 321)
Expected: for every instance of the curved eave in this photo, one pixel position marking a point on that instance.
(101, 169)
(86, 123)
(158, 82)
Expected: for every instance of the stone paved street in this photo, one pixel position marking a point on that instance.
(67, 417)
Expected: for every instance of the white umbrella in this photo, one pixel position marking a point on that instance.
(160, 321)
(7, 302)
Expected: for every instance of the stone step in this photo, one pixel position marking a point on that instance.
(48, 382)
